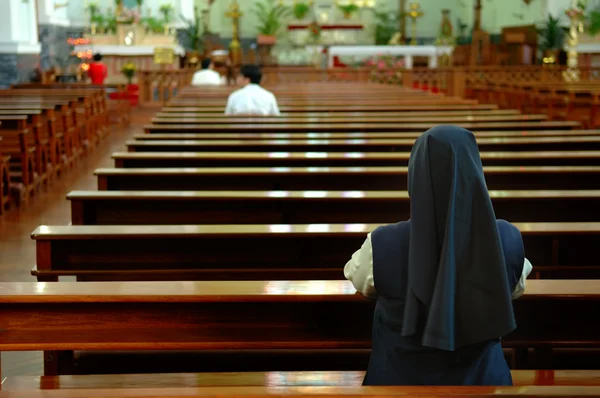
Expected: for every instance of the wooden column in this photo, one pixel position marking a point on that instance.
(477, 16)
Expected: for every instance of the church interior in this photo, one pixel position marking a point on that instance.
(158, 240)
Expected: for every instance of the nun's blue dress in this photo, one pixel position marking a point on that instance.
(444, 278)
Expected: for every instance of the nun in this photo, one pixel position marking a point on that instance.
(444, 279)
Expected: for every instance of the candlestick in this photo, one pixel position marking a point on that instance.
(414, 14)
(235, 14)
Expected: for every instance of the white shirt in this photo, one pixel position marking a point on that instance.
(359, 271)
(252, 100)
(207, 77)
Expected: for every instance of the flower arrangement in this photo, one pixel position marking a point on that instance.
(129, 16)
(314, 29)
(129, 70)
(167, 11)
(385, 68)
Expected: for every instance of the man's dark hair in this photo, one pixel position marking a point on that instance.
(97, 57)
(251, 72)
(206, 63)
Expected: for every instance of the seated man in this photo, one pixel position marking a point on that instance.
(251, 99)
(97, 71)
(208, 75)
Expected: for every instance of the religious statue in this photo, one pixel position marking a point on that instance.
(446, 36)
(576, 17)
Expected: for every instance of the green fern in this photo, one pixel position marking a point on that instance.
(300, 10)
(270, 14)
(593, 25)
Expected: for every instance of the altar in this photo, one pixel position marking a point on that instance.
(361, 53)
(116, 56)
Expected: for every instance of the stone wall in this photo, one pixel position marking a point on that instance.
(17, 68)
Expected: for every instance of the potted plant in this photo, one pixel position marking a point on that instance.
(153, 25)
(129, 71)
(300, 10)
(387, 25)
(551, 36)
(167, 12)
(348, 9)
(269, 13)
(193, 32)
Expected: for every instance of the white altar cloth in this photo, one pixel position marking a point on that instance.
(408, 52)
(130, 51)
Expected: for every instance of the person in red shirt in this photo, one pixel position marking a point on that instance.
(97, 71)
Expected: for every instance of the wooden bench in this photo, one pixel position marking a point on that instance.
(19, 143)
(332, 178)
(337, 159)
(351, 127)
(327, 317)
(314, 392)
(577, 143)
(347, 108)
(350, 115)
(306, 207)
(273, 251)
(4, 178)
(337, 119)
(263, 379)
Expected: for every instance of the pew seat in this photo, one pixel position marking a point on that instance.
(262, 379)
(272, 251)
(344, 108)
(289, 316)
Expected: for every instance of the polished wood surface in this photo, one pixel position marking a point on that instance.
(348, 136)
(577, 143)
(352, 115)
(279, 251)
(343, 108)
(331, 119)
(164, 128)
(308, 392)
(267, 379)
(332, 178)
(304, 207)
(337, 159)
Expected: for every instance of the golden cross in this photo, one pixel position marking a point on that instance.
(234, 13)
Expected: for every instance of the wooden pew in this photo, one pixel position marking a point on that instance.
(19, 143)
(273, 251)
(48, 140)
(332, 178)
(4, 178)
(313, 392)
(577, 143)
(343, 108)
(351, 115)
(348, 136)
(324, 316)
(437, 119)
(263, 379)
(351, 127)
(306, 207)
(338, 159)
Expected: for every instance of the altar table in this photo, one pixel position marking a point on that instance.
(408, 52)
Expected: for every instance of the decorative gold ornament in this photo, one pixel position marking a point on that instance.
(235, 14)
(414, 13)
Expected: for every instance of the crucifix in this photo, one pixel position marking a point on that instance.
(234, 47)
